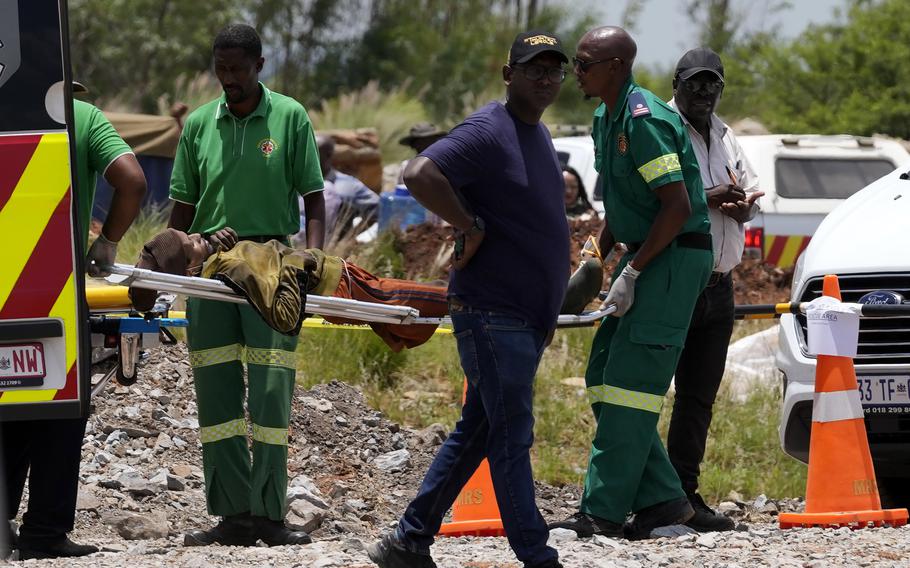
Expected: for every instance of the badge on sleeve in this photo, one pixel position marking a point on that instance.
(637, 105)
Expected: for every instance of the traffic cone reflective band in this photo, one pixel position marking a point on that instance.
(475, 512)
(840, 489)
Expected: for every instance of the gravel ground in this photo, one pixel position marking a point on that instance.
(352, 472)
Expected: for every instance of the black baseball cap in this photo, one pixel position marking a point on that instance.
(528, 45)
(698, 60)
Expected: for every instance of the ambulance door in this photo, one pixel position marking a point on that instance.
(43, 319)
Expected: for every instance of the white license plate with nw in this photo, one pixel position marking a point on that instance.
(22, 364)
(885, 393)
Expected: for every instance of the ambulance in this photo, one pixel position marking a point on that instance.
(804, 178)
(44, 338)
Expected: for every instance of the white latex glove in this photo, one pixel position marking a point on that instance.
(102, 253)
(622, 292)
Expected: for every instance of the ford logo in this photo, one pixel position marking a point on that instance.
(881, 297)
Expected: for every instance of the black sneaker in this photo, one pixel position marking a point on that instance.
(586, 526)
(389, 553)
(233, 530)
(706, 519)
(64, 548)
(277, 533)
(673, 512)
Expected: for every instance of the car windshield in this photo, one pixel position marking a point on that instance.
(820, 178)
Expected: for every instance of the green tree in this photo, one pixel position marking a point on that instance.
(135, 50)
(448, 53)
(847, 77)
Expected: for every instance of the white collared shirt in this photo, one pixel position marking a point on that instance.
(725, 156)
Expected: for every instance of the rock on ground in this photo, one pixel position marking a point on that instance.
(141, 488)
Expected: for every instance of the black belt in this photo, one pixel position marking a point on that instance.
(265, 238)
(716, 278)
(701, 241)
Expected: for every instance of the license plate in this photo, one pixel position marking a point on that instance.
(885, 393)
(22, 365)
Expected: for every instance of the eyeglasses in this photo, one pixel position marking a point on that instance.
(534, 72)
(585, 65)
(710, 86)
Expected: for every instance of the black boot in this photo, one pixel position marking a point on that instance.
(64, 548)
(586, 525)
(233, 530)
(705, 518)
(389, 553)
(277, 533)
(672, 512)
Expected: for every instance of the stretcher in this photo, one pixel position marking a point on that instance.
(118, 330)
(126, 275)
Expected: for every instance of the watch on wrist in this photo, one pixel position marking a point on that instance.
(477, 226)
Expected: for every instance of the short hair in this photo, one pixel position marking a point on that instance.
(239, 36)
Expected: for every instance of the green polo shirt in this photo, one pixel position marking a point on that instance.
(246, 173)
(97, 147)
(643, 146)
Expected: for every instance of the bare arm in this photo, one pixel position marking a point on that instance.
(182, 216)
(126, 177)
(314, 209)
(432, 189)
(605, 240)
(674, 210)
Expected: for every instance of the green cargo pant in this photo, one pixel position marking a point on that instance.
(221, 336)
(632, 361)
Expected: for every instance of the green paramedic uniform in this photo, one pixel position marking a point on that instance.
(642, 147)
(98, 146)
(244, 173)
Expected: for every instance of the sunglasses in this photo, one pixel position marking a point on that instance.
(534, 72)
(710, 86)
(583, 65)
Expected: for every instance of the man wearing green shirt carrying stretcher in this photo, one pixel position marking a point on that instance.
(242, 161)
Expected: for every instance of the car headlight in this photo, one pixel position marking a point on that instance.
(797, 284)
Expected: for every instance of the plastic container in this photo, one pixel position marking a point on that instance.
(399, 210)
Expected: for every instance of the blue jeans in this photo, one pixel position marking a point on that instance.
(499, 354)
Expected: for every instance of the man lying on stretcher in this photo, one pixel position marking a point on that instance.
(276, 279)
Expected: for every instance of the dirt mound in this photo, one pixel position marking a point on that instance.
(755, 282)
(427, 246)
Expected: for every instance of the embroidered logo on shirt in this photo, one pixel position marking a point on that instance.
(622, 144)
(267, 146)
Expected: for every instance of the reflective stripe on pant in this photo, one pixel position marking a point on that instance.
(629, 371)
(221, 338)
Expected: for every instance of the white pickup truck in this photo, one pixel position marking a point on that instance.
(865, 242)
(804, 178)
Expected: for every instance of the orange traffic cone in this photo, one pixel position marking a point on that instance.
(840, 489)
(475, 512)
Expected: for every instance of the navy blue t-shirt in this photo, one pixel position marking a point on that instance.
(507, 173)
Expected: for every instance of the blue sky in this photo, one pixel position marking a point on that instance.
(664, 31)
